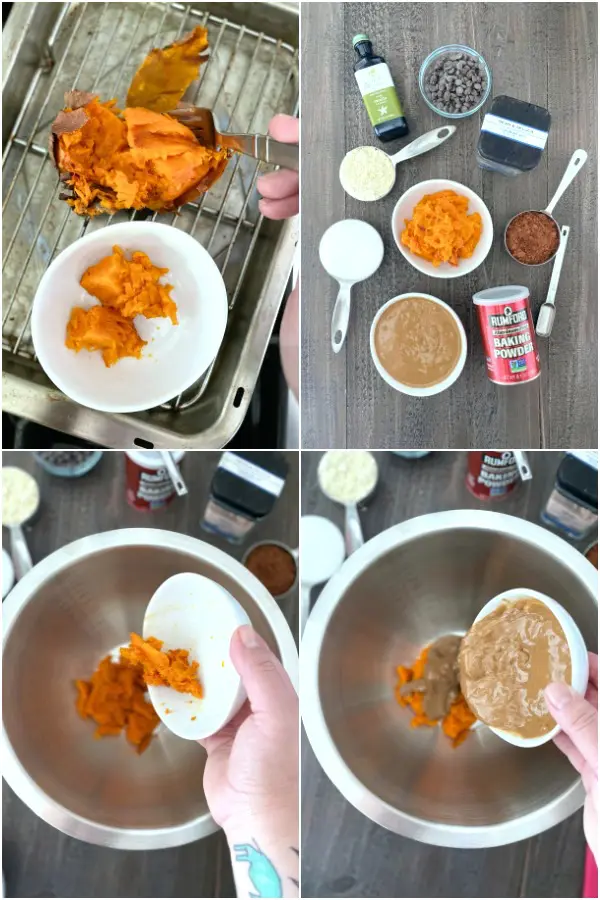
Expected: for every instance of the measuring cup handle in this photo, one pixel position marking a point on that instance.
(353, 530)
(423, 143)
(20, 552)
(575, 164)
(341, 318)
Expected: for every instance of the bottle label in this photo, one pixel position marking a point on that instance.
(379, 94)
(514, 131)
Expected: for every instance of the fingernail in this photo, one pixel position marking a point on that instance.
(248, 636)
(558, 694)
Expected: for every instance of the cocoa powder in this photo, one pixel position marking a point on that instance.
(274, 566)
(532, 238)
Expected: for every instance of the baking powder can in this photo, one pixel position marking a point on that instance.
(508, 334)
(148, 483)
(492, 474)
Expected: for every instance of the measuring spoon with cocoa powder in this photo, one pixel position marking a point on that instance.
(575, 164)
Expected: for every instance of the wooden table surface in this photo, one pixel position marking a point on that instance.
(40, 861)
(545, 53)
(344, 854)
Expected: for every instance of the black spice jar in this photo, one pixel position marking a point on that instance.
(513, 136)
(243, 491)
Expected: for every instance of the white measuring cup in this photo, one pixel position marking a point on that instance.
(422, 144)
(547, 312)
(193, 613)
(322, 553)
(575, 164)
(350, 251)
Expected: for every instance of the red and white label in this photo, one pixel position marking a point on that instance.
(147, 488)
(492, 474)
(509, 341)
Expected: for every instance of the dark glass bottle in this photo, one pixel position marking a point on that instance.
(378, 92)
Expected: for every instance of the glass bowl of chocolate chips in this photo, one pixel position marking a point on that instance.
(455, 81)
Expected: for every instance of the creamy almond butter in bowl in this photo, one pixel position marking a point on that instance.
(418, 344)
(520, 642)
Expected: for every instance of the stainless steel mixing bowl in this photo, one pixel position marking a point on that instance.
(65, 615)
(407, 586)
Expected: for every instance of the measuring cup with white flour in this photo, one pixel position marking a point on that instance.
(20, 501)
(349, 477)
(368, 173)
(350, 251)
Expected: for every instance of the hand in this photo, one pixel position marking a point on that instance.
(280, 189)
(251, 776)
(280, 201)
(578, 740)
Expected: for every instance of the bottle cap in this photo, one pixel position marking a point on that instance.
(359, 37)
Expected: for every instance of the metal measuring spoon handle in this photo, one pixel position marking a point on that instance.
(20, 552)
(425, 142)
(353, 534)
(547, 312)
(575, 164)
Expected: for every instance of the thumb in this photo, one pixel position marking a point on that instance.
(577, 718)
(266, 682)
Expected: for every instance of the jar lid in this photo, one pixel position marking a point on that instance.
(579, 479)
(250, 481)
(151, 459)
(502, 294)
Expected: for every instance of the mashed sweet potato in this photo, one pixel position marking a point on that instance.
(114, 698)
(130, 286)
(169, 669)
(139, 158)
(441, 230)
(105, 329)
(126, 288)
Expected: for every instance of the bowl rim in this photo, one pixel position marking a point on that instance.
(322, 744)
(70, 389)
(18, 778)
(413, 259)
(575, 642)
(453, 48)
(405, 388)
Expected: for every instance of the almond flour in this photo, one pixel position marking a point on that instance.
(367, 173)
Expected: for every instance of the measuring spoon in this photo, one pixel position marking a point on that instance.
(575, 164)
(353, 534)
(350, 251)
(425, 142)
(547, 311)
(323, 552)
(19, 550)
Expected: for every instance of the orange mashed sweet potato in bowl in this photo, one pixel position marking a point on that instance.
(442, 228)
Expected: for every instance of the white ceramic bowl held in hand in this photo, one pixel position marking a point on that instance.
(577, 649)
(404, 210)
(191, 612)
(175, 356)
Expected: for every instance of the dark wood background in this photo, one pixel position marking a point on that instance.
(545, 53)
(344, 854)
(38, 860)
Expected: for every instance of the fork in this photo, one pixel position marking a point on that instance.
(260, 146)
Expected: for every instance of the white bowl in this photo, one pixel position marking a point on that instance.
(404, 210)
(577, 649)
(419, 391)
(175, 356)
(194, 613)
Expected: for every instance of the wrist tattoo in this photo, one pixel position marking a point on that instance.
(263, 875)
